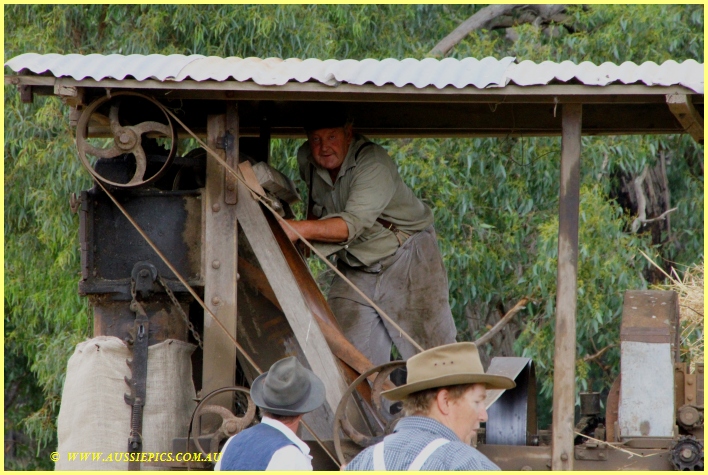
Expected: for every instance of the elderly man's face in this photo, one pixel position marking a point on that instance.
(468, 412)
(330, 146)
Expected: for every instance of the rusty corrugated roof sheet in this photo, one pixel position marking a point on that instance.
(448, 72)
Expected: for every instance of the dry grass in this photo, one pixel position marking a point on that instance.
(690, 291)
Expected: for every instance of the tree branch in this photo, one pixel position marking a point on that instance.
(661, 216)
(501, 323)
(598, 354)
(495, 16)
(474, 22)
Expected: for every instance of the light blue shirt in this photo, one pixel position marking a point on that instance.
(411, 436)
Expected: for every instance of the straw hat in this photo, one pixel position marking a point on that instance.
(447, 365)
(288, 389)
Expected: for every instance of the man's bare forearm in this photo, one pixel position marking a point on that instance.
(323, 230)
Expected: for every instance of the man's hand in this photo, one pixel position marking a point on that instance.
(322, 230)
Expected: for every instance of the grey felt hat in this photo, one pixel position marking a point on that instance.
(288, 389)
(447, 365)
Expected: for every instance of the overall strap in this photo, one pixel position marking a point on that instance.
(310, 201)
(361, 147)
(425, 454)
(379, 463)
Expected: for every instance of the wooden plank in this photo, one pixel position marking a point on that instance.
(232, 153)
(307, 332)
(682, 108)
(220, 276)
(566, 299)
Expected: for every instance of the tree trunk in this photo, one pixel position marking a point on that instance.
(647, 197)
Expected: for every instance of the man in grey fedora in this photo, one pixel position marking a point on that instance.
(443, 400)
(283, 394)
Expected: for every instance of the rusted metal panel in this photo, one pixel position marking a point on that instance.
(110, 246)
(114, 318)
(566, 300)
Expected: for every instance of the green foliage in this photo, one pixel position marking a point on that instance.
(495, 200)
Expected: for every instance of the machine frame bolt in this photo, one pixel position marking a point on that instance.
(216, 207)
(216, 300)
(215, 264)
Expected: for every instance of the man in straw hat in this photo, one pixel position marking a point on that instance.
(443, 400)
(283, 394)
(360, 210)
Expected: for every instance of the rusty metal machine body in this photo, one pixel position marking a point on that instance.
(133, 291)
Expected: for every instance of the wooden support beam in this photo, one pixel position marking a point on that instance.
(220, 272)
(566, 298)
(309, 336)
(232, 153)
(682, 108)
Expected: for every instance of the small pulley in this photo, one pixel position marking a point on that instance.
(127, 140)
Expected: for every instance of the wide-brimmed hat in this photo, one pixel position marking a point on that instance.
(447, 365)
(288, 389)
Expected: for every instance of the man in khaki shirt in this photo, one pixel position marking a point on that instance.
(382, 234)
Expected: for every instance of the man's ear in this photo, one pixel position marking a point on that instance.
(442, 399)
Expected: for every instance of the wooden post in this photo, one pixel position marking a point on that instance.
(287, 291)
(566, 299)
(219, 266)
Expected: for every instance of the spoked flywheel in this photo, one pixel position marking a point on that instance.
(385, 419)
(131, 118)
(230, 424)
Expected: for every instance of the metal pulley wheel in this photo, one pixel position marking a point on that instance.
(127, 139)
(230, 424)
(386, 420)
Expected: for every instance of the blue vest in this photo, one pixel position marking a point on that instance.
(253, 448)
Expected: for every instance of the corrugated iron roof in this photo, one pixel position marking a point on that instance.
(448, 72)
